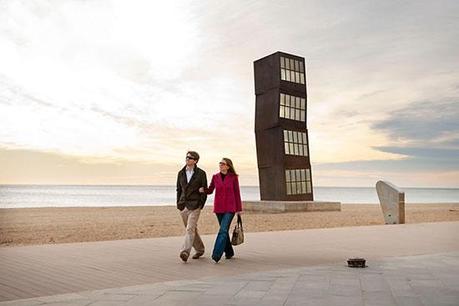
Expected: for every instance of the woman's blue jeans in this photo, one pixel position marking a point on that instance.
(223, 242)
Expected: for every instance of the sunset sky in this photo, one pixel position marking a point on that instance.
(116, 92)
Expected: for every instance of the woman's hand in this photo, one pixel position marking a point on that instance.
(201, 190)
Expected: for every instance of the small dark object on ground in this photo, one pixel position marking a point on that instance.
(356, 262)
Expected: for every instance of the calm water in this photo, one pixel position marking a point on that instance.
(79, 195)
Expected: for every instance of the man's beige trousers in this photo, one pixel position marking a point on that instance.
(192, 238)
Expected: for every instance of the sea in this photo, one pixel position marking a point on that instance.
(21, 196)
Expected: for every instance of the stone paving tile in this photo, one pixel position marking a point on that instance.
(312, 293)
(346, 300)
(303, 301)
(256, 285)
(400, 287)
(345, 290)
(226, 289)
(378, 298)
(376, 282)
(408, 301)
(98, 303)
(252, 294)
(141, 300)
(402, 281)
(440, 300)
(175, 297)
(211, 300)
(24, 302)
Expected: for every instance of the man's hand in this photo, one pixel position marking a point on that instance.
(201, 190)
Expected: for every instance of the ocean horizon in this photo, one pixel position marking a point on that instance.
(27, 196)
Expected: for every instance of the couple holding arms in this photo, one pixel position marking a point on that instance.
(192, 193)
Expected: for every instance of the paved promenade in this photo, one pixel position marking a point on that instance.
(276, 268)
(421, 280)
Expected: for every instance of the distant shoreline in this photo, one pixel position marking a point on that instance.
(17, 196)
(249, 186)
(208, 204)
(28, 226)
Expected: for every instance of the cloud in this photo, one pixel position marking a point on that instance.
(410, 166)
(434, 154)
(426, 133)
(35, 167)
(105, 78)
(425, 137)
(116, 80)
(423, 121)
(23, 166)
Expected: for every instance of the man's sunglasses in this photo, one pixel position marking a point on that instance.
(190, 157)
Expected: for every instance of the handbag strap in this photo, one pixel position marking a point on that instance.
(239, 220)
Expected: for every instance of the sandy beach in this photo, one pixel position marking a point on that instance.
(26, 226)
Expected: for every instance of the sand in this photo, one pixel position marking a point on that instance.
(26, 226)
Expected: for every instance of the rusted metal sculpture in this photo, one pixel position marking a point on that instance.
(281, 132)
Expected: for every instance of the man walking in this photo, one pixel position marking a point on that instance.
(190, 202)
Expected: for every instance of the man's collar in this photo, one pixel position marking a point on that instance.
(192, 169)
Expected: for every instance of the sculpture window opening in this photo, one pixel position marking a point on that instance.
(292, 70)
(295, 143)
(292, 107)
(298, 181)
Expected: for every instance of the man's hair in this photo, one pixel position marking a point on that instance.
(194, 154)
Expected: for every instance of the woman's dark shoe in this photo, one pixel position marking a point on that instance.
(184, 256)
(215, 259)
(197, 255)
(229, 257)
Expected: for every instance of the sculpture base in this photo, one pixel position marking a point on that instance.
(290, 206)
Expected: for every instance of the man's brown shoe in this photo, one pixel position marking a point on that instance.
(197, 255)
(184, 256)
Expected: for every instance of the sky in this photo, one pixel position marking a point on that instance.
(116, 92)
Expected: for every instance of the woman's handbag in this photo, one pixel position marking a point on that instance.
(238, 232)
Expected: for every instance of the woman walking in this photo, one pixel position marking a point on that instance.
(227, 203)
